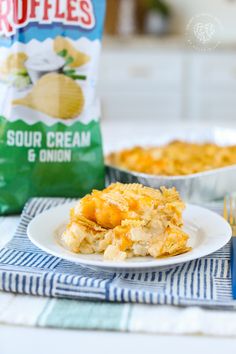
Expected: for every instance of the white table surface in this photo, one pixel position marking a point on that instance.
(15, 340)
(21, 340)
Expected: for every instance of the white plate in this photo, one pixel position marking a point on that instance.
(207, 230)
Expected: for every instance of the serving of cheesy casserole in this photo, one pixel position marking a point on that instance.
(126, 220)
(174, 159)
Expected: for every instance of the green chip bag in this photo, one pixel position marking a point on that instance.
(50, 140)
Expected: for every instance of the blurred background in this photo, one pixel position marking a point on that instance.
(169, 60)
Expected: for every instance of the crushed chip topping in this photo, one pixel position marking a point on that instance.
(126, 220)
(175, 158)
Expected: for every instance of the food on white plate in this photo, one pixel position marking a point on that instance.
(127, 220)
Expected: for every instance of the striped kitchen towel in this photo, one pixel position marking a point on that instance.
(26, 269)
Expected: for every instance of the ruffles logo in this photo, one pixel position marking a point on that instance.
(16, 14)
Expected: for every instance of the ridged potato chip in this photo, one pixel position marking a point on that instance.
(14, 62)
(55, 95)
(79, 58)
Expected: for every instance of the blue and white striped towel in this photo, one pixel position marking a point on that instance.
(26, 269)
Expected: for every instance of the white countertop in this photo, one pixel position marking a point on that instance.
(166, 42)
(49, 341)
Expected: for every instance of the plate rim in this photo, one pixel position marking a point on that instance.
(173, 261)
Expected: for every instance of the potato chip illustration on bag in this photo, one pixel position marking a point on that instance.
(63, 47)
(55, 95)
(14, 62)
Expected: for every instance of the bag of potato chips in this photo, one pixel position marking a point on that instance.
(50, 142)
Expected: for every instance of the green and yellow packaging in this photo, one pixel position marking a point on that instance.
(50, 140)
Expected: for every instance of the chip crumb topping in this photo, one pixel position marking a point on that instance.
(126, 220)
(174, 159)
